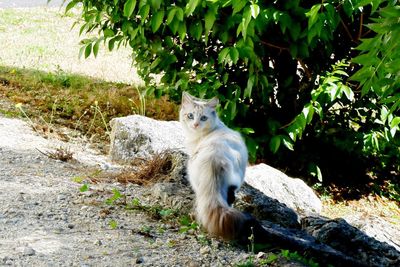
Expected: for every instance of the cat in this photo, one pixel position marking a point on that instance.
(216, 168)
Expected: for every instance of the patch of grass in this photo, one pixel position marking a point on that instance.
(77, 102)
(156, 169)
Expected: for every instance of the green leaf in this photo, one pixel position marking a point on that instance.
(113, 224)
(84, 188)
(144, 13)
(129, 6)
(255, 10)
(108, 33)
(191, 6)
(395, 122)
(245, 21)
(88, 50)
(156, 20)
(222, 55)
(316, 172)
(182, 30)
(238, 5)
(179, 14)
(78, 179)
(313, 15)
(70, 5)
(166, 212)
(209, 21)
(275, 143)
(308, 112)
(348, 92)
(96, 48)
(234, 54)
(288, 143)
(171, 15)
(294, 30)
(196, 30)
(156, 4)
(249, 87)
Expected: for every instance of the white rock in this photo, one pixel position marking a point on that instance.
(139, 137)
(293, 192)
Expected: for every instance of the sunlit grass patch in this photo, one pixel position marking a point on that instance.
(77, 102)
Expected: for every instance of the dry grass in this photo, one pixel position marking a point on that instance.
(151, 171)
(61, 153)
(372, 205)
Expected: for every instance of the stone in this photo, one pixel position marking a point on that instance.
(343, 237)
(293, 192)
(28, 251)
(173, 195)
(205, 250)
(263, 207)
(376, 228)
(138, 137)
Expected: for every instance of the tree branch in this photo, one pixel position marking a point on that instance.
(347, 30)
(274, 46)
(360, 28)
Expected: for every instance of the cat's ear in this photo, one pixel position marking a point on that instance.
(213, 102)
(186, 99)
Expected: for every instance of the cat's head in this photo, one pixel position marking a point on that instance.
(198, 115)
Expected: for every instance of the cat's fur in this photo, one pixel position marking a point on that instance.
(216, 167)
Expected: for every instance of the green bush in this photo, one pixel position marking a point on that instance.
(280, 68)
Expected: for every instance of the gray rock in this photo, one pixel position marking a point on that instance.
(292, 192)
(138, 137)
(263, 207)
(28, 251)
(349, 240)
(173, 195)
(377, 228)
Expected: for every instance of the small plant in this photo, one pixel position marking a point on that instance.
(63, 154)
(270, 259)
(19, 107)
(97, 110)
(113, 224)
(187, 224)
(251, 239)
(297, 257)
(84, 188)
(116, 196)
(250, 262)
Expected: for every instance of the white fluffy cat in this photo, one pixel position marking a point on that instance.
(217, 163)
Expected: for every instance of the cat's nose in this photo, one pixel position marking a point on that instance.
(195, 125)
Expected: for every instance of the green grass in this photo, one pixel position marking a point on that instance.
(45, 39)
(75, 101)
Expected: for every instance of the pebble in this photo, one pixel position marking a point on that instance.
(28, 251)
(205, 250)
(139, 260)
(260, 255)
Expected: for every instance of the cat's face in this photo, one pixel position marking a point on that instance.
(197, 115)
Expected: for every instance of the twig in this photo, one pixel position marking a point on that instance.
(360, 28)
(274, 46)
(347, 30)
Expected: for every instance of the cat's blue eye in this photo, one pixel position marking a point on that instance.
(203, 118)
(190, 116)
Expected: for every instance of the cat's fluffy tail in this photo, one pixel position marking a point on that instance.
(212, 208)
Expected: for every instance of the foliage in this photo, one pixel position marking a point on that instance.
(280, 69)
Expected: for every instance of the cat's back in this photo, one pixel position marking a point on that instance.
(225, 140)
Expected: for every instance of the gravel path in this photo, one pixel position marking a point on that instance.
(46, 221)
